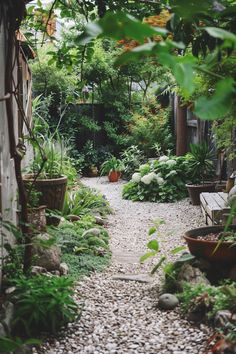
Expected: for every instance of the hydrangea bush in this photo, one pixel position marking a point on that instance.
(161, 180)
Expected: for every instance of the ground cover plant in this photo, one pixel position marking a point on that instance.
(161, 180)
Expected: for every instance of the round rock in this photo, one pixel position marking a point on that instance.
(168, 302)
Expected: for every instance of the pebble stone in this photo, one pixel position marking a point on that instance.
(122, 317)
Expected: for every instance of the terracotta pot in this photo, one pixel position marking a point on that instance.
(114, 176)
(194, 191)
(225, 253)
(52, 194)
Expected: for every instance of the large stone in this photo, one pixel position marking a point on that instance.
(99, 220)
(46, 257)
(167, 301)
(141, 278)
(92, 232)
(64, 269)
(36, 270)
(191, 275)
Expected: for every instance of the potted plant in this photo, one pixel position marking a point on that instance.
(112, 168)
(47, 176)
(201, 169)
(213, 243)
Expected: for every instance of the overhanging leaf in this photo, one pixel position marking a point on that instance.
(221, 34)
(220, 102)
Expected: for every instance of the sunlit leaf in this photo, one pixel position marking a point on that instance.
(153, 245)
(152, 230)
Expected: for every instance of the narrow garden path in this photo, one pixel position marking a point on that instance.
(122, 316)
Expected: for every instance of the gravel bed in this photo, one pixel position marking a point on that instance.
(122, 316)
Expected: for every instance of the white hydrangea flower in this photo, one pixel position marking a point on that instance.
(171, 162)
(152, 175)
(160, 180)
(136, 177)
(172, 173)
(147, 179)
(163, 158)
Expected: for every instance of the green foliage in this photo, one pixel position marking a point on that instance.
(200, 162)
(72, 238)
(162, 180)
(43, 304)
(11, 345)
(219, 104)
(84, 264)
(83, 201)
(113, 164)
(222, 297)
(150, 126)
(12, 262)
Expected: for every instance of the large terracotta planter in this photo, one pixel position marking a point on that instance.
(52, 194)
(114, 176)
(225, 253)
(194, 191)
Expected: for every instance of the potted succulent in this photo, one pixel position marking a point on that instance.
(201, 169)
(47, 177)
(112, 168)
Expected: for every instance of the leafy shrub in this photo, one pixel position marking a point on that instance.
(83, 201)
(84, 264)
(132, 158)
(43, 304)
(162, 180)
(222, 297)
(150, 127)
(71, 237)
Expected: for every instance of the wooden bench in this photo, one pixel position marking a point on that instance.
(214, 207)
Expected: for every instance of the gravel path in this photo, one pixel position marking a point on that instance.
(122, 316)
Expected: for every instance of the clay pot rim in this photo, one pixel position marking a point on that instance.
(206, 184)
(204, 231)
(40, 207)
(30, 178)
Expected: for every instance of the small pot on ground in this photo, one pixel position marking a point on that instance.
(194, 191)
(114, 176)
(214, 251)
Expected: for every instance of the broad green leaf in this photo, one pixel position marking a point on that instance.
(219, 104)
(153, 245)
(178, 249)
(163, 258)
(146, 256)
(221, 34)
(152, 230)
